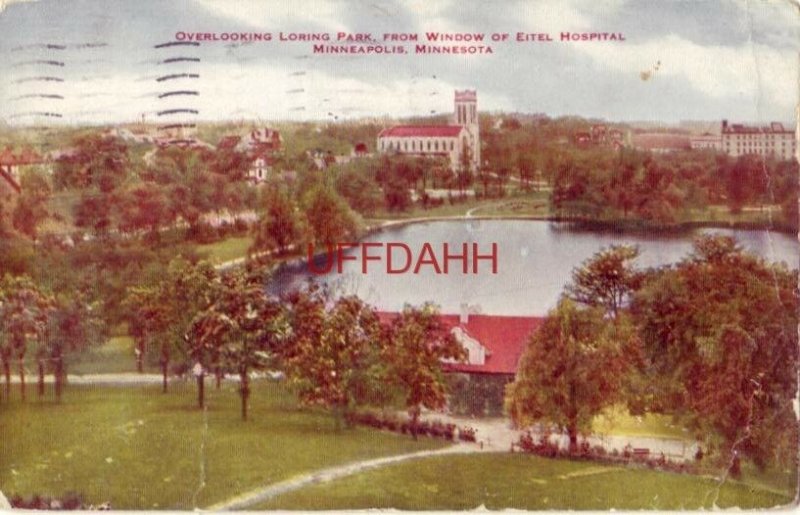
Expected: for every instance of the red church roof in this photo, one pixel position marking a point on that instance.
(504, 338)
(422, 131)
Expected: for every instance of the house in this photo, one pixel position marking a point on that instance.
(454, 141)
(12, 163)
(261, 140)
(493, 343)
(260, 146)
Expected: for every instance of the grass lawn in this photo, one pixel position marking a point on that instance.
(617, 421)
(499, 481)
(114, 356)
(140, 449)
(226, 250)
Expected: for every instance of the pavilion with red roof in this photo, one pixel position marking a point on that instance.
(493, 343)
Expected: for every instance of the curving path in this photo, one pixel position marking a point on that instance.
(261, 495)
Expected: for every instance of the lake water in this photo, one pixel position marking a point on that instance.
(535, 261)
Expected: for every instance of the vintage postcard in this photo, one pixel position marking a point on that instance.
(398, 254)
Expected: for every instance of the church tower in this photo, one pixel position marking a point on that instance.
(466, 115)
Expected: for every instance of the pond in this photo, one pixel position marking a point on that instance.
(534, 260)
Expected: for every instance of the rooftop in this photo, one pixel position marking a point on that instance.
(503, 337)
(422, 131)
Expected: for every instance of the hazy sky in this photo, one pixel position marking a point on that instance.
(706, 59)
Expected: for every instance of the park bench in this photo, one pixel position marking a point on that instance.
(640, 452)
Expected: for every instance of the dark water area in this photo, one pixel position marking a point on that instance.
(535, 261)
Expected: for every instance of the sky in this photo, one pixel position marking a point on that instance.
(702, 60)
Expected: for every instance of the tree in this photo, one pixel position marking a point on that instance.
(31, 208)
(98, 162)
(418, 343)
(250, 327)
(329, 218)
(332, 357)
(572, 368)
(75, 325)
(163, 312)
(280, 225)
(360, 191)
(720, 337)
(144, 208)
(24, 312)
(93, 212)
(607, 279)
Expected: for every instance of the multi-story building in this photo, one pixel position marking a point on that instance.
(770, 140)
(456, 142)
(706, 141)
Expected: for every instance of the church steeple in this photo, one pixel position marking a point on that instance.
(466, 115)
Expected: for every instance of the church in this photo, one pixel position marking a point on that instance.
(457, 142)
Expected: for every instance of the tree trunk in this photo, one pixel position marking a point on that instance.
(7, 373)
(218, 377)
(164, 369)
(244, 392)
(41, 378)
(201, 387)
(572, 431)
(22, 380)
(58, 377)
(414, 422)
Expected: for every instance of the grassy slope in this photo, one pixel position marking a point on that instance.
(519, 481)
(138, 448)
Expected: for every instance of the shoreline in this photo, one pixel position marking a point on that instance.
(617, 226)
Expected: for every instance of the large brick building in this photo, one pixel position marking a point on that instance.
(459, 142)
(770, 140)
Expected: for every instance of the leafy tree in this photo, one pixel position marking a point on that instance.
(145, 208)
(251, 327)
(332, 357)
(418, 343)
(31, 208)
(93, 212)
(281, 223)
(720, 336)
(359, 190)
(163, 312)
(329, 217)
(572, 368)
(606, 280)
(24, 313)
(74, 325)
(96, 162)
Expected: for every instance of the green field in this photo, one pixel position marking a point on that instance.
(140, 449)
(226, 250)
(499, 481)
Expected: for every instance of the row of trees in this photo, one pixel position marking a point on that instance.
(336, 353)
(37, 326)
(666, 188)
(711, 340)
